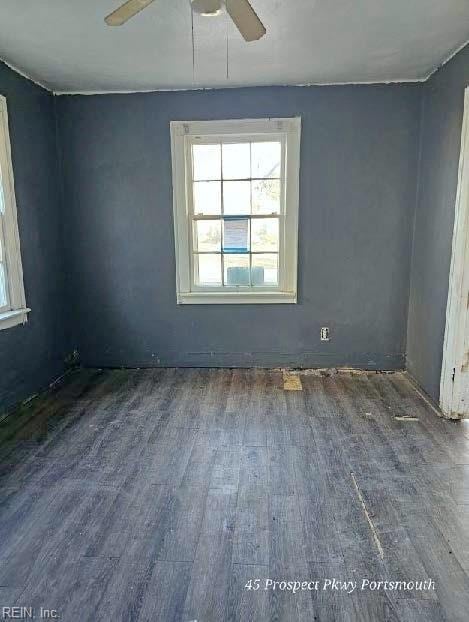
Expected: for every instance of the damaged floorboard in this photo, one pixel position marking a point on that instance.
(159, 494)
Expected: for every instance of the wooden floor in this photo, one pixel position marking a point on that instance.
(158, 494)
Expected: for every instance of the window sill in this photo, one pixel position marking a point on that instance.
(8, 319)
(237, 298)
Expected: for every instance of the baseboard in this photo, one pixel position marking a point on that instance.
(41, 393)
(267, 360)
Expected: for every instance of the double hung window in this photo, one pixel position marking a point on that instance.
(235, 186)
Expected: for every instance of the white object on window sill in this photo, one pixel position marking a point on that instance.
(223, 298)
(12, 318)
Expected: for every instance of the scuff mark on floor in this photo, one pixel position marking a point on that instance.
(374, 532)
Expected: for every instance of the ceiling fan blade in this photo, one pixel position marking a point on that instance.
(126, 11)
(245, 19)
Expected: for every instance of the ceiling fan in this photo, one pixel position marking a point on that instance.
(240, 11)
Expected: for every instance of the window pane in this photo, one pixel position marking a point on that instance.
(264, 234)
(266, 196)
(207, 235)
(207, 197)
(236, 235)
(264, 270)
(265, 159)
(3, 287)
(207, 161)
(236, 161)
(209, 269)
(236, 270)
(237, 197)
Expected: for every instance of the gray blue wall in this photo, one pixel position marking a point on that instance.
(32, 355)
(442, 113)
(99, 259)
(357, 198)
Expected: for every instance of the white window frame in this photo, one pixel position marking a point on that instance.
(183, 135)
(15, 312)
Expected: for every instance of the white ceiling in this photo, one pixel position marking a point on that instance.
(65, 45)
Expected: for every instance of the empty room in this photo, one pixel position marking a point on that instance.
(234, 310)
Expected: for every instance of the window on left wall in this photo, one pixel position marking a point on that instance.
(13, 308)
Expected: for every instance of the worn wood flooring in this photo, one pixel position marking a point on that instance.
(156, 495)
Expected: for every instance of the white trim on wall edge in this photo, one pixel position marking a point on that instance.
(243, 86)
(21, 73)
(456, 308)
(447, 60)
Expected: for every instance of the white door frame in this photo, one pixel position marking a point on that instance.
(458, 292)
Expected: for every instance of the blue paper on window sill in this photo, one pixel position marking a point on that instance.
(236, 235)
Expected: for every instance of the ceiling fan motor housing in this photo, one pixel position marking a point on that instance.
(241, 12)
(208, 8)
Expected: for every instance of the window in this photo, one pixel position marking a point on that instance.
(12, 301)
(235, 199)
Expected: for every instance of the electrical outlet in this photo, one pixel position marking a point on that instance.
(325, 335)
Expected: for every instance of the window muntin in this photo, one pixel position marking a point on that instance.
(235, 201)
(236, 207)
